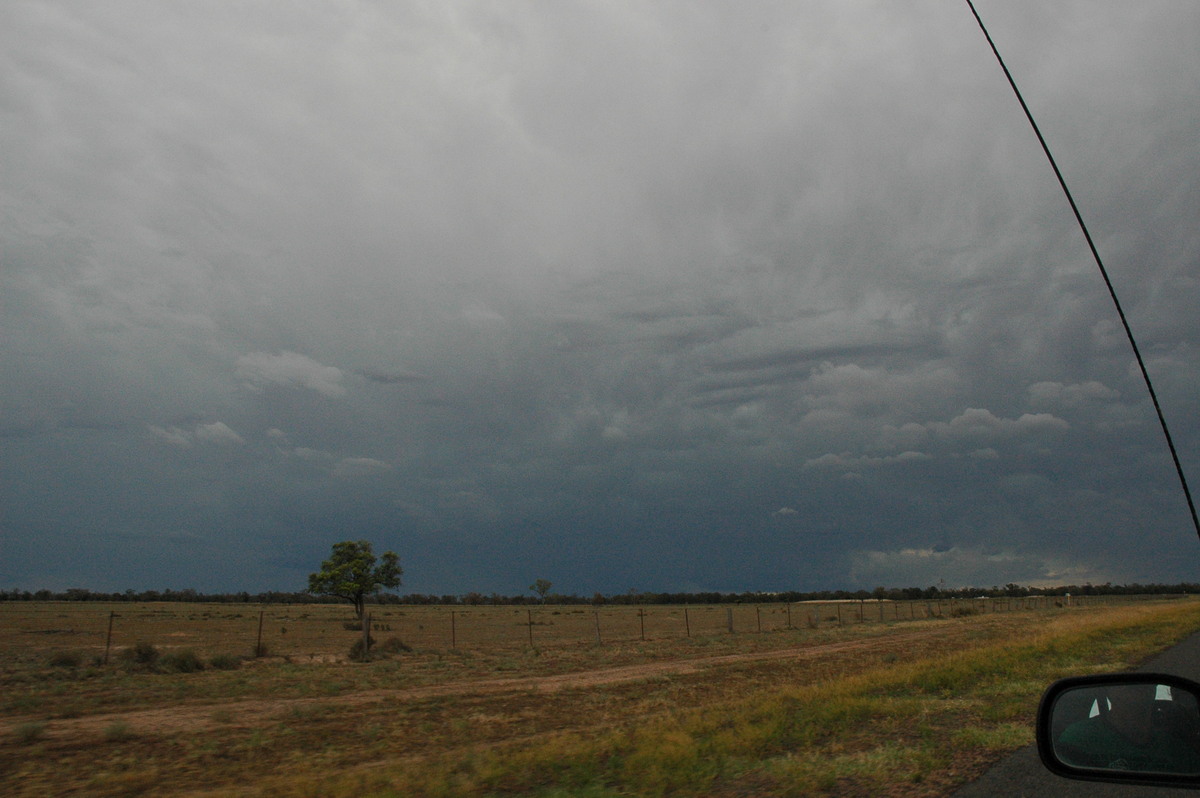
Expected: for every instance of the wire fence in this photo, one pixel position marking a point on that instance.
(31, 629)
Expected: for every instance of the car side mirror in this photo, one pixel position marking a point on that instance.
(1131, 728)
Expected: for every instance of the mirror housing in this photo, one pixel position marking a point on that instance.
(1129, 728)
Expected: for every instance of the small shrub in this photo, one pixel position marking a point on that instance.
(140, 655)
(30, 731)
(66, 659)
(393, 645)
(360, 654)
(225, 662)
(183, 661)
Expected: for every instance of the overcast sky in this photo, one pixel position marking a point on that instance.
(648, 295)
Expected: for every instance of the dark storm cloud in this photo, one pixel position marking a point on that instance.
(667, 296)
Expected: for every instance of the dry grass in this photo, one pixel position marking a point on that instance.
(38, 630)
(837, 709)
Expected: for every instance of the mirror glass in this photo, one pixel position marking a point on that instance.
(1141, 727)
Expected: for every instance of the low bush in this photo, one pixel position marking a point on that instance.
(393, 645)
(184, 660)
(359, 653)
(140, 656)
(66, 659)
(225, 662)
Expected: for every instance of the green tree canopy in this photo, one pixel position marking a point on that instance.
(352, 572)
(541, 587)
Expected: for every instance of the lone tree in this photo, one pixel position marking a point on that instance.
(541, 587)
(353, 573)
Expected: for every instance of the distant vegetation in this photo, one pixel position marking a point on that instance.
(630, 597)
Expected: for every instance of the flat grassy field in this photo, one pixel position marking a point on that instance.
(911, 704)
(32, 629)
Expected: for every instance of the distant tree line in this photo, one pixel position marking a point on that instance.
(629, 597)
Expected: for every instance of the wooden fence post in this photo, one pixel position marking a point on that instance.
(453, 629)
(529, 618)
(687, 622)
(596, 613)
(642, 620)
(258, 647)
(108, 639)
(366, 630)
(729, 618)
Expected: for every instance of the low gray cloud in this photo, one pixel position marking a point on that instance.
(259, 369)
(218, 432)
(349, 467)
(849, 462)
(1057, 394)
(979, 424)
(172, 435)
(390, 377)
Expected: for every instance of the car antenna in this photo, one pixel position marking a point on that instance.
(1112, 292)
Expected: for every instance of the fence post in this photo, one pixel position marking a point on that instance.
(596, 613)
(453, 630)
(108, 639)
(258, 648)
(729, 618)
(529, 619)
(789, 614)
(758, 617)
(839, 609)
(642, 620)
(366, 630)
(687, 622)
